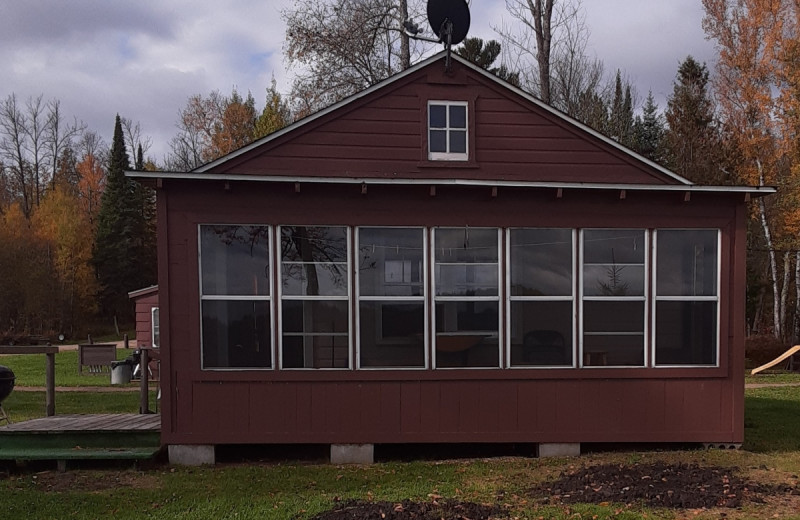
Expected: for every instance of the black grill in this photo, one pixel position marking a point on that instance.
(6, 382)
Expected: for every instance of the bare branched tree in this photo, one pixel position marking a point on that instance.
(340, 47)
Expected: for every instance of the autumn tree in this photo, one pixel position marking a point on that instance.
(235, 127)
(753, 36)
(275, 115)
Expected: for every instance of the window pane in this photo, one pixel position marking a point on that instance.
(392, 334)
(236, 334)
(458, 141)
(613, 350)
(613, 333)
(235, 260)
(541, 262)
(315, 351)
(613, 316)
(687, 262)
(613, 280)
(541, 333)
(613, 246)
(458, 116)
(466, 334)
(466, 280)
(466, 245)
(314, 261)
(686, 333)
(315, 316)
(390, 262)
(438, 116)
(437, 141)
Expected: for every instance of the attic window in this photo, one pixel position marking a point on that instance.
(447, 131)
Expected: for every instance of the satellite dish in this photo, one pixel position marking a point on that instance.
(449, 20)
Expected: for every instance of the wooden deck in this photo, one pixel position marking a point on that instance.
(115, 422)
(72, 437)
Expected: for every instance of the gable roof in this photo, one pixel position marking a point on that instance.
(558, 118)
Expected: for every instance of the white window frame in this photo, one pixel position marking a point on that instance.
(448, 155)
(424, 298)
(510, 299)
(348, 298)
(645, 298)
(269, 298)
(155, 327)
(656, 298)
(435, 299)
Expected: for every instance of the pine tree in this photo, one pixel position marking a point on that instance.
(621, 117)
(120, 243)
(484, 55)
(692, 139)
(648, 132)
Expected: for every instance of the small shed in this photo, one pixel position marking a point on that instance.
(147, 324)
(443, 258)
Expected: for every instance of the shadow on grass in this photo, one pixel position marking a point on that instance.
(772, 423)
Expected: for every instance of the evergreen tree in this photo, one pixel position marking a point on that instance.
(276, 113)
(692, 138)
(648, 132)
(119, 255)
(621, 117)
(484, 55)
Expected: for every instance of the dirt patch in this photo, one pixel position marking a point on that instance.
(684, 486)
(408, 510)
(86, 481)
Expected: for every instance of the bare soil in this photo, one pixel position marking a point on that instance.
(408, 510)
(684, 486)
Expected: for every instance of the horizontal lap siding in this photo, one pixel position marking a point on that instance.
(385, 134)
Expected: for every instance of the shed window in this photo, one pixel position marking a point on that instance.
(315, 297)
(155, 330)
(235, 296)
(447, 131)
(541, 265)
(687, 295)
(391, 297)
(467, 297)
(614, 295)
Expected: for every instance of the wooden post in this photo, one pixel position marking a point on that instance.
(144, 391)
(125, 340)
(50, 382)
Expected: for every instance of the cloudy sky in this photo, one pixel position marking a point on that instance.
(143, 59)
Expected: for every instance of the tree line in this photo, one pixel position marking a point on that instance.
(77, 235)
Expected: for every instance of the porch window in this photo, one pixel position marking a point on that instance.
(613, 297)
(467, 297)
(541, 265)
(687, 297)
(315, 297)
(447, 131)
(391, 297)
(235, 296)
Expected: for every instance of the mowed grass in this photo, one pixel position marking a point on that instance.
(23, 406)
(297, 490)
(29, 369)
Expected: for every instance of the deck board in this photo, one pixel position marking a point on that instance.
(86, 423)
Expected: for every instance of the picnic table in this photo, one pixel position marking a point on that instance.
(50, 368)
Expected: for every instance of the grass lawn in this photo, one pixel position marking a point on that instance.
(291, 490)
(22, 406)
(29, 369)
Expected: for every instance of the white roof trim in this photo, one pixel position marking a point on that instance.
(446, 182)
(411, 70)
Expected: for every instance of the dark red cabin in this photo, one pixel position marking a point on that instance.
(443, 258)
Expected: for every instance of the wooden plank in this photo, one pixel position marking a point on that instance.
(782, 357)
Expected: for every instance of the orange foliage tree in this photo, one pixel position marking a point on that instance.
(754, 38)
(92, 180)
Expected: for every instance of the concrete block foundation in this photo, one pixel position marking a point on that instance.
(559, 449)
(352, 453)
(191, 454)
